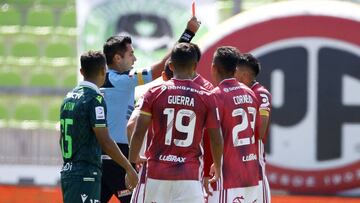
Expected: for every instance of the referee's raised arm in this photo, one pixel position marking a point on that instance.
(191, 28)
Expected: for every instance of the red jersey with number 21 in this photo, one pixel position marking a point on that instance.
(238, 110)
(180, 110)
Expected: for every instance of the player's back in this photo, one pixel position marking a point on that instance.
(180, 110)
(238, 113)
(78, 141)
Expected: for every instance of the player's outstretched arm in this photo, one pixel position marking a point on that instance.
(264, 124)
(137, 138)
(217, 145)
(192, 27)
(109, 147)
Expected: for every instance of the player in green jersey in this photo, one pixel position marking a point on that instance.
(84, 133)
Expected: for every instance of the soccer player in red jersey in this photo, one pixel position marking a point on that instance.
(177, 111)
(247, 70)
(139, 191)
(238, 111)
(167, 74)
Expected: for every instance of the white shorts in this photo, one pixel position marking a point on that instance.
(138, 194)
(175, 191)
(235, 195)
(264, 191)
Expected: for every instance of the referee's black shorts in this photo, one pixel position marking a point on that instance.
(113, 178)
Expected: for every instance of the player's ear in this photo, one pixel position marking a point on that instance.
(117, 57)
(237, 74)
(163, 76)
(82, 72)
(171, 66)
(213, 71)
(213, 67)
(103, 71)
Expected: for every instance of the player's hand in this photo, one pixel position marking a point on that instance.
(206, 185)
(193, 24)
(139, 163)
(215, 173)
(140, 160)
(131, 179)
(138, 167)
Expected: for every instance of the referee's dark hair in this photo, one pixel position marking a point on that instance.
(183, 56)
(115, 45)
(92, 62)
(250, 62)
(226, 59)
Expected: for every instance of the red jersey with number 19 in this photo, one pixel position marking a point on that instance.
(238, 110)
(180, 110)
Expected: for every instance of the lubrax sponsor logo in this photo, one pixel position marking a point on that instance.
(250, 157)
(172, 158)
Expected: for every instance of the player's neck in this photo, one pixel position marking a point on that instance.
(117, 68)
(251, 83)
(224, 77)
(183, 75)
(94, 81)
(194, 75)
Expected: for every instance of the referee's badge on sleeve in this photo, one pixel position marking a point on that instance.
(100, 112)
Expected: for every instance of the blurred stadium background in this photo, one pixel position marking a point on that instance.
(39, 45)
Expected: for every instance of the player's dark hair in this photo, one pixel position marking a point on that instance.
(226, 59)
(92, 62)
(115, 45)
(198, 51)
(249, 61)
(183, 56)
(168, 72)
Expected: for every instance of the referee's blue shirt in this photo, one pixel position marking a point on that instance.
(119, 91)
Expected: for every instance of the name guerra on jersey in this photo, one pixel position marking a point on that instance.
(181, 100)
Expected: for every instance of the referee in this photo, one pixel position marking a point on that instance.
(118, 90)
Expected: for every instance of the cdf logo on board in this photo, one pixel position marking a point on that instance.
(310, 54)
